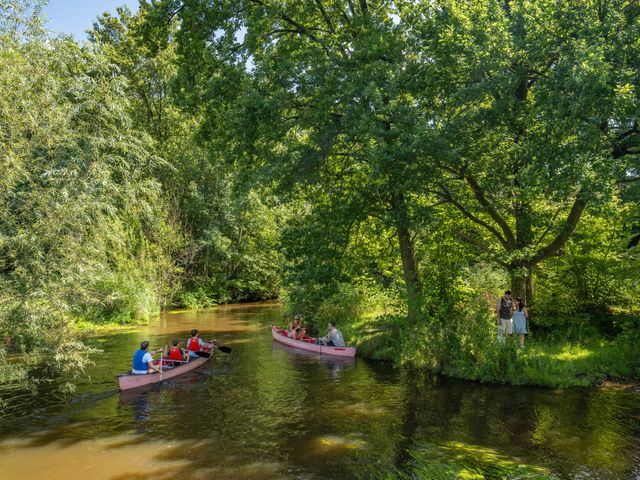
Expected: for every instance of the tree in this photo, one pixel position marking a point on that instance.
(330, 103)
(537, 117)
(83, 228)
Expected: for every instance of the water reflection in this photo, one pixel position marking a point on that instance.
(268, 411)
(298, 357)
(138, 400)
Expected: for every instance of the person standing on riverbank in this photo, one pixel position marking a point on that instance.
(520, 316)
(504, 312)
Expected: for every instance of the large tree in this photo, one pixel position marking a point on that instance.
(330, 107)
(537, 116)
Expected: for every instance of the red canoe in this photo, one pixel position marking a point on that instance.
(281, 336)
(128, 381)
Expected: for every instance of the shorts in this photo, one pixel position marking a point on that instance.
(507, 326)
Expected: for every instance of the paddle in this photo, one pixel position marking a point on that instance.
(222, 348)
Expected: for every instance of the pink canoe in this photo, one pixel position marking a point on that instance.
(281, 336)
(128, 381)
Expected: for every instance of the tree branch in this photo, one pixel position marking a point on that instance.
(624, 145)
(548, 229)
(449, 198)
(299, 28)
(476, 243)
(623, 181)
(491, 211)
(572, 220)
(327, 20)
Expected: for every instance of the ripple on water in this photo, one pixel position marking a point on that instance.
(270, 412)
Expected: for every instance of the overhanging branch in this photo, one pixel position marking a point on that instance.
(572, 220)
(491, 211)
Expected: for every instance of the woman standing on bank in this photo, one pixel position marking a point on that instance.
(520, 315)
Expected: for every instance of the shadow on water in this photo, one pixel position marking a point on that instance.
(268, 411)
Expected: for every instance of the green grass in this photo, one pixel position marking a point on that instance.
(87, 327)
(474, 353)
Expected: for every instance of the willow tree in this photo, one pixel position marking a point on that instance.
(230, 252)
(537, 117)
(83, 229)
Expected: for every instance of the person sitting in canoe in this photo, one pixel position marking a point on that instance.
(143, 362)
(333, 337)
(295, 328)
(175, 353)
(196, 345)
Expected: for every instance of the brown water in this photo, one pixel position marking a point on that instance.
(268, 412)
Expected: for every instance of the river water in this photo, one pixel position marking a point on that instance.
(266, 411)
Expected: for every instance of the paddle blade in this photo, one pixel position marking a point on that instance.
(224, 349)
(203, 354)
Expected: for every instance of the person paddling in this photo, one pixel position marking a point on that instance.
(196, 345)
(143, 361)
(333, 337)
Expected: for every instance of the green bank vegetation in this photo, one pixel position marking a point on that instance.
(390, 165)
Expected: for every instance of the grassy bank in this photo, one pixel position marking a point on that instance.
(473, 352)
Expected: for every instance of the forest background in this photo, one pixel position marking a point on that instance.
(390, 165)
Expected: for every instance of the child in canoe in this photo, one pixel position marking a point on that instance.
(175, 355)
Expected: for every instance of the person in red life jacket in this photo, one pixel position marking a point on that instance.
(195, 344)
(176, 354)
(143, 362)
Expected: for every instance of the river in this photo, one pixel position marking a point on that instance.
(268, 412)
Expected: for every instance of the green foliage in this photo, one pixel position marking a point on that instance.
(232, 231)
(83, 227)
(594, 282)
(390, 167)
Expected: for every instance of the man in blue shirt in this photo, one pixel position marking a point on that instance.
(143, 361)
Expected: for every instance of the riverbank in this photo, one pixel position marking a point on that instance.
(480, 356)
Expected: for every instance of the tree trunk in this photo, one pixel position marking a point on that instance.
(407, 254)
(518, 284)
(410, 271)
(522, 284)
